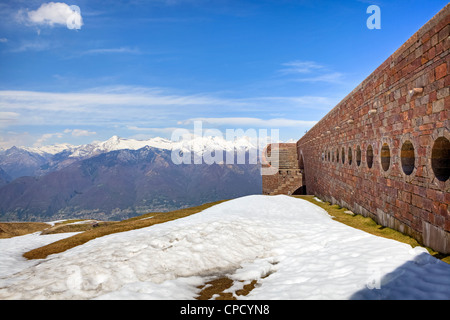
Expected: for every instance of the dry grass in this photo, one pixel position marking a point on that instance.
(217, 287)
(110, 228)
(67, 226)
(14, 229)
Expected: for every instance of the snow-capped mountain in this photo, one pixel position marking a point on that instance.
(37, 161)
(50, 149)
(120, 178)
(192, 144)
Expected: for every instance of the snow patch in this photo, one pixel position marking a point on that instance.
(290, 246)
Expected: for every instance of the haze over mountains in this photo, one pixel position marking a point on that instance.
(119, 178)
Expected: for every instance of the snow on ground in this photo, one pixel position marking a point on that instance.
(11, 250)
(292, 247)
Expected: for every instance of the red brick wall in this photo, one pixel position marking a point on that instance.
(287, 177)
(384, 109)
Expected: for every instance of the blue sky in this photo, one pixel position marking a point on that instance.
(140, 69)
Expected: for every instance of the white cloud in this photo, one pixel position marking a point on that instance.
(8, 116)
(113, 50)
(153, 130)
(146, 112)
(333, 77)
(252, 122)
(56, 13)
(3, 40)
(300, 67)
(38, 45)
(80, 132)
(47, 136)
(109, 97)
(317, 72)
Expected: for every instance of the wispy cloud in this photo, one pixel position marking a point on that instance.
(145, 112)
(80, 132)
(154, 130)
(99, 97)
(47, 136)
(113, 50)
(333, 77)
(310, 71)
(3, 40)
(34, 45)
(295, 67)
(100, 104)
(8, 117)
(251, 122)
(107, 105)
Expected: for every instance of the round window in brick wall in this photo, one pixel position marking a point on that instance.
(385, 157)
(369, 156)
(407, 157)
(440, 158)
(350, 156)
(358, 155)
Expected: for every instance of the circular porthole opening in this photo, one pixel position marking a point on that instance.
(407, 157)
(385, 157)
(358, 155)
(440, 158)
(369, 156)
(350, 156)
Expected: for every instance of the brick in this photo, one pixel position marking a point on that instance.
(444, 33)
(416, 201)
(438, 105)
(443, 210)
(441, 71)
(442, 93)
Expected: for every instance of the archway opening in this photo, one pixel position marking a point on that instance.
(300, 191)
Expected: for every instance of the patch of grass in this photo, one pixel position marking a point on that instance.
(70, 227)
(369, 225)
(218, 286)
(14, 229)
(106, 229)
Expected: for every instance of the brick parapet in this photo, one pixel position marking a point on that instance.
(405, 99)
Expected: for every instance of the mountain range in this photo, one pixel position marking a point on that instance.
(118, 178)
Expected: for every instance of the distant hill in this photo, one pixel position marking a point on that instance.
(113, 185)
(4, 178)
